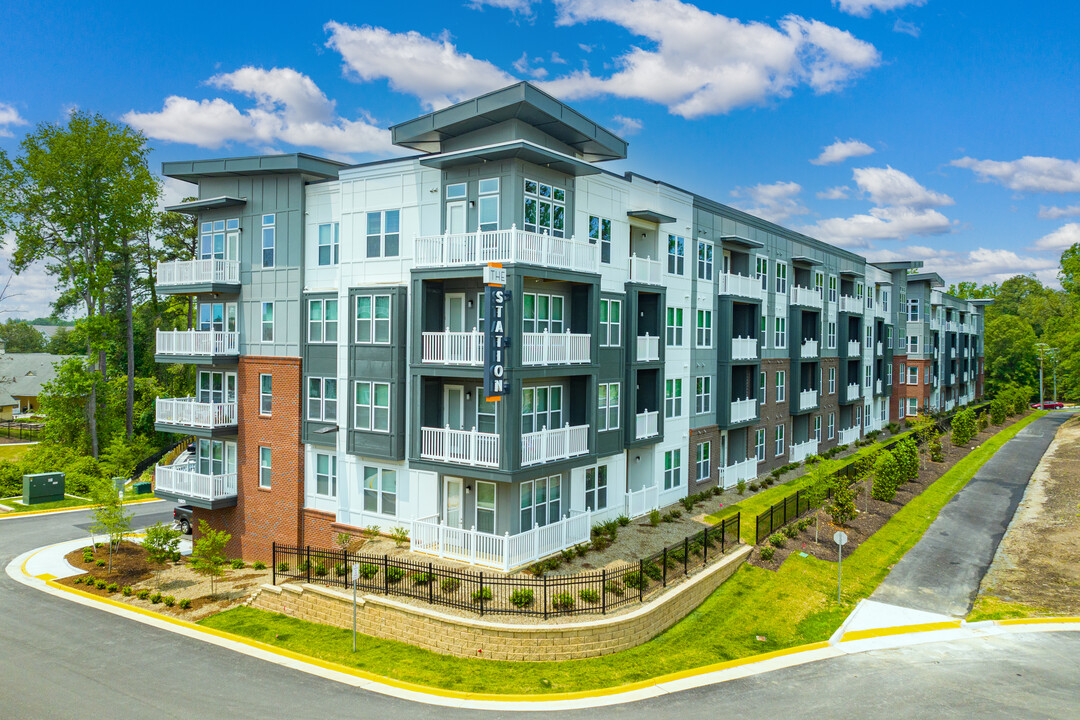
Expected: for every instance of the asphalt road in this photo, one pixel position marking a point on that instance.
(64, 660)
(941, 574)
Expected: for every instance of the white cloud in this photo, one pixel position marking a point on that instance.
(1056, 213)
(174, 191)
(289, 108)
(1028, 174)
(982, 265)
(522, 65)
(627, 125)
(433, 70)
(705, 63)
(520, 7)
(9, 116)
(888, 186)
(908, 28)
(841, 150)
(864, 8)
(775, 202)
(841, 192)
(31, 293)
(1064, 237)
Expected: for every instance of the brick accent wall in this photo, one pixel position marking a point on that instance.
(773, 413)
(902, 390)
(386, 618)
(321, 527)
(709, 434)
(262, 516)
(830, 403)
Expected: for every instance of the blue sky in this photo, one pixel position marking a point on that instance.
(942, 131)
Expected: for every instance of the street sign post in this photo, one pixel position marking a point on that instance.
(840, 538)
(355, 577)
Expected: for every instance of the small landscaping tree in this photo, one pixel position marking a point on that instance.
(817, 492)
(342, 540)
(963, 427)
(937, 451)
(886, 476)
(109, 514)
(161, 542)
(209, 553)
(842, 506)
(1021, 398)
(907, 460)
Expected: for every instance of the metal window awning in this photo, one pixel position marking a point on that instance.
(215, 203)
(650, 216)
(741, 240)
(805, 260)
(520, 149)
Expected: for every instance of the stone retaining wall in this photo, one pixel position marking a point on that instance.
(427, 628)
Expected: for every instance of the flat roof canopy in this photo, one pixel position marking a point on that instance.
(650, 216)
(309, 166)
(522, 149)
(933, 278)
(740, 240)
(214, 203)
(804, 260)
(851, 273)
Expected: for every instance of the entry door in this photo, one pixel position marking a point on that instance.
(455, 312)
(454, 406)
(452, 502)
(455, 217)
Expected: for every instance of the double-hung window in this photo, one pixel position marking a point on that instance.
(541, 407)
(328, 244)
(610, 323)
(322, 399)
(373, 319)
(703, 395)
(380, 490)
(267, 322)
(673, 397)
(371, 406)
(540, 501)
(264, 467)
(761, 271)
(781, 278)
(704, 260)
(832, 288)
(487, 205)
(383, 233)
(759, 444)
(912, 406)
(266, 397)
(780, 338)
(268, 240)
(779, 440)
(832, 381)
(322, 321)
(676, 255)
(542, 313)
(674, 327)
(832, 336)
(819, 284)
(913, 310)
(607, 412)
(704, 329)
(600, 232)
(545, 209)
(913, 375)
(326, 475)
(913, 345)
(817, 428)
(704, 455)
(832, 425)
(781, 385)
(762, 387)
(596, 487)
(672, 469)
(868, 376)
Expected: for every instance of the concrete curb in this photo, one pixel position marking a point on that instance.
(80, 508)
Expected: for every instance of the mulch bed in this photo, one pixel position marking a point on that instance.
(130, 564)
(873, 514)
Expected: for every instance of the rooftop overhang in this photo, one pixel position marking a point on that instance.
(740, 241)
(854, 274)
(981, 302)
(650, 216)
(521, 101)
(934, 279)
(196, 206)
(307, 166)
(805, 260)
(899, 265)
(520, 149)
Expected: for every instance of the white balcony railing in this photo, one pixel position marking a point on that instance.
(853, 392)
(555, 348)
(849, 435)
(644, 270)
(648, 348)
(183, 480)
(850, 304)
(853, 349)
(639, 502)
(198, 272)
(453, 348)
(743, 410)
(808, 399)
(647, 425)
(467, 447)
(197, 342)
(557, 444)
(952, 378)
(803, 450)
(507, 246)
(742, 470)
(740, 285)
(806, 297)
(744, 348)
(189, 413)
(879, 348)
(877, 387)
(950, 326)
(809, 349)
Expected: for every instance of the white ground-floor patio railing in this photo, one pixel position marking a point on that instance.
(640, 502)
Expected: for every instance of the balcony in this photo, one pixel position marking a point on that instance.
(648, 348)
(877, 387)
(808, 399)
(188, 414)
(506, 246)
(182, 482)
(849, 435)
(850, 304)
(853, 350)
(950, 326)
(466, 447)
(644, 270)
(852, 392)
(197, 345)
(806, 297)
(879, 348)
(647, 425)
(744, 348)
(964, 377)
(809, 349)
(739, 471)
(555, 348)
(743, 410)
(453, 348)
(800, 451)
(740, 286)
(952, 378)
(191, 276)
(551, 445)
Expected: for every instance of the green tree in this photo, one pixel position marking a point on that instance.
(842, 506)
(110, 517)
(886, 476)
(64, 342)
(998, 410)
(907, 459)
(20, 337)
(161, 542)
(208, 555)
(65, 402)
(1010, 353)
(964, 427)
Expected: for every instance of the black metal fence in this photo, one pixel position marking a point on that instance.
(22, 430)
(149, 462)
(494, 593)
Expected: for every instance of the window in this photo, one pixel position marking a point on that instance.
(704, 454)
(832, 288)
(542, 313)
(607, 414)
(764, 339)
(913, 375)
(888, 374)
(219, 317)
(866, 417)
(487, 205)
(888, 336)
(704, 260)
(913, 345)
(485, 506)
(913, 310)
(673, 397)
(371, 406)
(704, 328)
(545, 208)
(832, 381)
(832, 336)
(779, 440)
(326, 475)
(781, 278)
(912, 406)
(885, 300)
(264, 467)
(596, 488)
(266, 399)
(610, 323)
(927, 374)
(457, 191)
(817, 428)
(868, 376)
(902, 304)
(780, 337)
(703, 395)
(268, 240)
(759, 444)
(858, 415)
(761, 272)
(328, 244)
(761, 388)
(383, 233)
(600, 232)
(322, 321)
(676, 252)
(674, 327)
(819, 284)
(268, 322)
(373, 319)
(859, 290)
(832, 425)
(781, 385)
(322, 399)
(540, 501)
(869, 336)
(541, 407)
(380, 490)
(219, 240)
(870, 297)
(672, 469)
(903, 374)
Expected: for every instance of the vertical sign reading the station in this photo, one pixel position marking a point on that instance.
(495, 301)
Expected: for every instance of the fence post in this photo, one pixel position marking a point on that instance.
(545, 596)
(481, 593)
(665, 567)
(686, 555)
(506, 552)
(307, 562)
(431, 584)
(705, 545)
(641, 580)
(273, 555)
(385, 579)
(603, 591)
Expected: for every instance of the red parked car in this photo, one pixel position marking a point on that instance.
(1048, 405)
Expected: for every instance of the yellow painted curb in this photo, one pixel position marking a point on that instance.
(899, 630)
(29, 513)
(1038, 621)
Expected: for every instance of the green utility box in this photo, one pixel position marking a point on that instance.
(141, 488)
(42, 488)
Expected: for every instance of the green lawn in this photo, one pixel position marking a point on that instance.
(69, 501)
(13, 452)
(793, 606)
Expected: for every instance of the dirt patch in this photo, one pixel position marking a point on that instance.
(1037, 563)
(130, 564)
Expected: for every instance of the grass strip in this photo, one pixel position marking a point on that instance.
(793, 606)
(69, 502)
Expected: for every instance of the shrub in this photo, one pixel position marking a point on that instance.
(777, 540)
(422, 578)
(568, 554)
(589, 595)
(155, 598)
(112, 587)
(984, 422)
(893, 428)
(687, 503)
(283, 567)
(886, 477)
(79, 580)
(258, 565)
(635, 580)
(522, 597)
(304, 566)
(482, 594)
(767, 553)
(907, 459)
(450, 584)
(998, 410)
(400, 536)
(653, 571)
(654, 517)
(623, 520)
(394, 574)
(600, 542)
(581, 549)
(613, 588)
(371, 532)
(753, 487)
(552, 563)
(319, 570)
(238, 564)
(741, 487)
(100, 563)
(126, 591)
(368, 570)
(937, 451)
(563, 601)
(791, 531)
(341, 569)
(842, 507)
(185, 604)
(142, 593)
(169, 600)
(100, 584)
(963, 427)
(176, 557)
